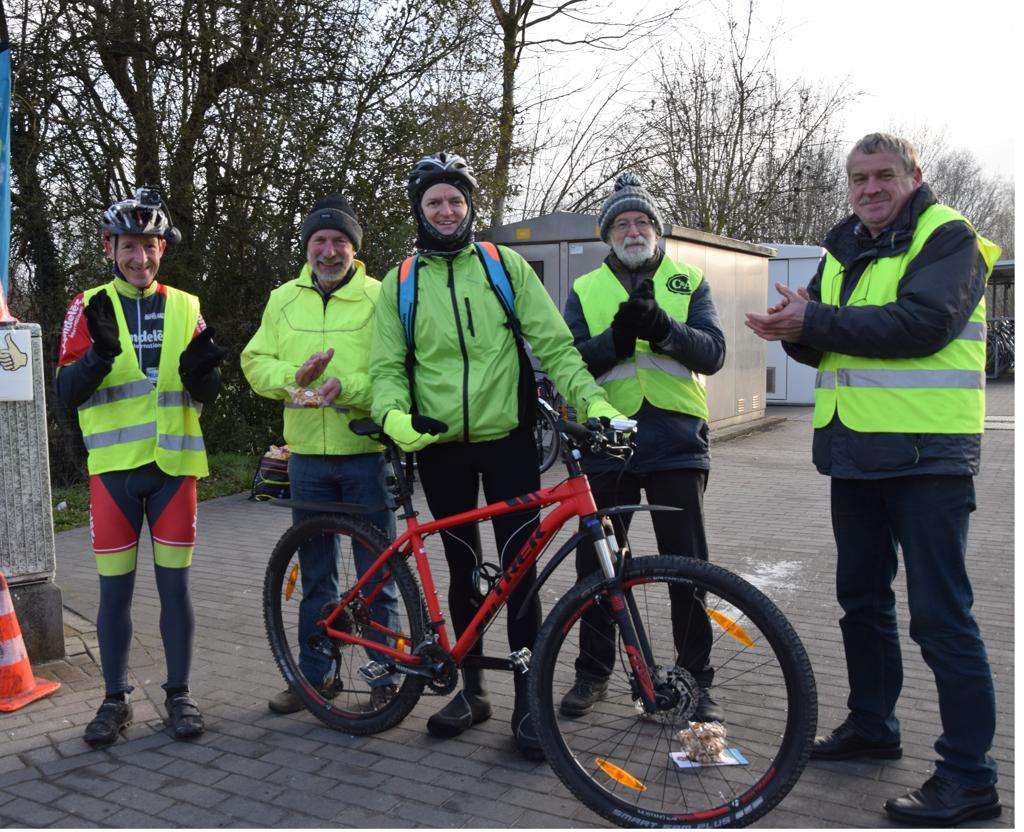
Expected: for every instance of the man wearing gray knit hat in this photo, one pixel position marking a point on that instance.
(312, 352)
(649, 332)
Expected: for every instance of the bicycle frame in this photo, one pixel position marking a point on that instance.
(572, 498)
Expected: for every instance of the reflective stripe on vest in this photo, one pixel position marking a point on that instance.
(939, 393)
(119, 436)
(127, 422)
(647, 361)
(656, 377)
(118, 392)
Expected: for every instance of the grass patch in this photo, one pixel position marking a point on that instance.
(229, 474)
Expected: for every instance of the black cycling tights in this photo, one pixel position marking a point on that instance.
(451, 474)
(114, 626)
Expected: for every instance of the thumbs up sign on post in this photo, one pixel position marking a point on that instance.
(11, 356)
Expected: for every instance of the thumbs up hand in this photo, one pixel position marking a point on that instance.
(12, 358)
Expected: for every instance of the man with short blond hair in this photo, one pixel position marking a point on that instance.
(894, 320)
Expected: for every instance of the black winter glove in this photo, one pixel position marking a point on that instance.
(624, 339)
(642, 315)
(102, 323)
(201, 355)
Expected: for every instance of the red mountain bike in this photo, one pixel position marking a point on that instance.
(635, 757)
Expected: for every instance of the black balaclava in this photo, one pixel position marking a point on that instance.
(428, 239)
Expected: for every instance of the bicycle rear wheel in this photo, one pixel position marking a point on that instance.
(345, 699)
(631, 767)
(545, 431)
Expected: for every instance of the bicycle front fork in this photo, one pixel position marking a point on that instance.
(622, 606)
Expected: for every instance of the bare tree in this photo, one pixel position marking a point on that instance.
(741, 152)
(956, 176)
(552, 28)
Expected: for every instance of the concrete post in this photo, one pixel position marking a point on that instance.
(27, 556)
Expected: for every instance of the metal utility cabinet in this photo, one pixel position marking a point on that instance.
(560, 247)
(789, 381)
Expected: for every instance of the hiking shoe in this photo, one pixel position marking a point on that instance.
(113, 716)
(582, 696)
(708, 710)
(380, 696)
(184, 716)
(286, 702)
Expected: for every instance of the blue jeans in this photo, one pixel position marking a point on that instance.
(927, 516)
(351, 479)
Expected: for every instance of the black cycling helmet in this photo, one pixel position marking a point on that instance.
(146, 213)
(449, 168)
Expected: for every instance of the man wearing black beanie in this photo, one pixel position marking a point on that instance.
(312, 352)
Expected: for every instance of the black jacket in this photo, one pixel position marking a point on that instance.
(936, 297)
(665, 439)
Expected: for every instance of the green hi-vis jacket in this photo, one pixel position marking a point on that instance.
(127, 422)
(646, 374)
(466, 368)
(297, 323)
(939, 393)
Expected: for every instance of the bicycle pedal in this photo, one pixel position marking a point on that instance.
(521, 659)
(372, 671)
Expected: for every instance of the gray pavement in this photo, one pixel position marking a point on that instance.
(767, 514)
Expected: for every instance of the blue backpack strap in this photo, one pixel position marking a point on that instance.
(407, 297)
(498, 278)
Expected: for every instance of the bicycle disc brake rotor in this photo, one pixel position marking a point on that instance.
(675, 692)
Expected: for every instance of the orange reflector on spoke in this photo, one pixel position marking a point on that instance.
(293, 576)
(619, 776)
(730, 626)
(402, 644)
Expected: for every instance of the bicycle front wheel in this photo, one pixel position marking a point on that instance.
(347, 686)
(665, 769)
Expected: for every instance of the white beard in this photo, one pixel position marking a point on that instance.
(636, 257)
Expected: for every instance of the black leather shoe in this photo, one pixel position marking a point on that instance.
(582, 696)
(941, 802)
(708, 710)
(846, 744)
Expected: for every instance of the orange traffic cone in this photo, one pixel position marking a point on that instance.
(18, 686)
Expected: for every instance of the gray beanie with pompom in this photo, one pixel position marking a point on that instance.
(628, 195)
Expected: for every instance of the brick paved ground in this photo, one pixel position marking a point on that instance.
(767, 519)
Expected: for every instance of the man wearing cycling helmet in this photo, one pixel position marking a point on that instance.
(315, 335)
(137, 361)
(466, 368)
(648, 329)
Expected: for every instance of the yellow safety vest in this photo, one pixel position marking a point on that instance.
(939, 393)
(127, 422)
(650, 375)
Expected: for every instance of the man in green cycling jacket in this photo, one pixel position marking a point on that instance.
(467, 370)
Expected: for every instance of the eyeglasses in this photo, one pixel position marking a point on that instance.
(640, 225)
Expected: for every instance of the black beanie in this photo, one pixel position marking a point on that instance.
(333, 211)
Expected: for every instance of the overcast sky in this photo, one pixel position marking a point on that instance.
(921, 63)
